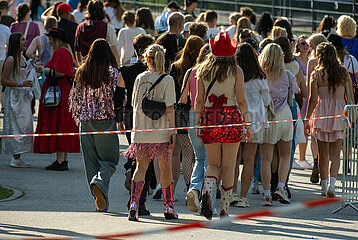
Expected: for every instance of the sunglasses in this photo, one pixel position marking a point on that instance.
(303, 44)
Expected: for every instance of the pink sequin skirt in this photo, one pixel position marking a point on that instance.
(227, 115)
(153, 150)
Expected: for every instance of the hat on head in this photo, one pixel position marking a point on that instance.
(222, 45)
(63, 8)
(335, 39)
(57, 33)
(173, 4)
(186, 26)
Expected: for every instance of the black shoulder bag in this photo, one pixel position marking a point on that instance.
(206, 96)
(153, 109)
(182, 109)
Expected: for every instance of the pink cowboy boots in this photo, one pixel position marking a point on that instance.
(169, 203)
(136, 190)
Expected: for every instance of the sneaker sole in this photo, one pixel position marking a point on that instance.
(243, 205)
(132, 215)
(330, 194)
(170, 216)
(100, 200)
(19, 166)
(234, 202)
(281, 199)
(191, 202)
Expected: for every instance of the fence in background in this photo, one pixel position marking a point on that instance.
(350, 160)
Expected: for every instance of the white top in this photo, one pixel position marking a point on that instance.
(348, 62)
(79, 16)
(163, 92)
(257, 97)
(111, 36)
(115, 23)
(211, 33)
(125, 43)
(231, 31)
(4, 38)
(293, 67)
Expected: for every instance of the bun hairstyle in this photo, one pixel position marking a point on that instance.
(157, 53)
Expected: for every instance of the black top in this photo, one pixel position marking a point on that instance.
(70, 28)
(129, 74)
(7, 20)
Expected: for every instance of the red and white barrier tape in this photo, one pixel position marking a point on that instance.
(220, 222)
(155, 130)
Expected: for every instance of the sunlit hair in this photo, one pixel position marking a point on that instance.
(247, 33)
(264, 43)
(247, 60)
(284, 43)
(346, 26)
(271, 60)
(243, 22)
(118, 8)
(285, 23)
(277, 32)
(217, 67)
(156, 52)
(327, 59)
(201, 17)
(22, 10)
(95, 69)
(13, 50)
(50, 22)
(326, 24)
(314, 40)
(188, 55)
(95, 10)
(59, 43)
(144, 18)
(204, 51)
(299, 39)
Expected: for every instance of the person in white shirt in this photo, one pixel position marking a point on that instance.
(4, 38)
(115, 11)
(126, 36)
(211, 18)
(231, 30)
(79, 13)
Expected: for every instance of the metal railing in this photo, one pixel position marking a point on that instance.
(350, 160)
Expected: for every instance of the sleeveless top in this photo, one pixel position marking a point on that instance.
(45, 51)
(227, 88)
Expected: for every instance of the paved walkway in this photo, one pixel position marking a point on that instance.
(58, 204)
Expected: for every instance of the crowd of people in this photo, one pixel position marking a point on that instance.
(105, 68)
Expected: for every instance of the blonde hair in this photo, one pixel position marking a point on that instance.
(50, 22)
(243, 22)
(272, 60)
(58, 43)
(201, 17)
(277, 32)
(157, 53)
(346, 26)
(314, 40)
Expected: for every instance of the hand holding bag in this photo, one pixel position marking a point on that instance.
(153, 109)
(52, 96)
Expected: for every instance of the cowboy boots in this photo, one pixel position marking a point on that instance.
(226, 194)
(136, 190)
(208, 189)
(169, 203)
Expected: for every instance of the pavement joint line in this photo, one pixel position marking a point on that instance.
(17, 194)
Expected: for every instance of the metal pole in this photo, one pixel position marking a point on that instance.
(237, 5)
(312, 15)
(273, 9)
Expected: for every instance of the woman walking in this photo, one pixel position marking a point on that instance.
(278, 80)
(149, 145)
(57, 119)
(220, 100)
(18, 97)
(91, 103)
(327, 98)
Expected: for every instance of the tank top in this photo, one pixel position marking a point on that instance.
(45, 51)
(226, 87)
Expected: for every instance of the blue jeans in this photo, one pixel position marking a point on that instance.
(293, 146)
(198, 174)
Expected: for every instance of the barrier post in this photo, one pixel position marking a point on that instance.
(350, 160)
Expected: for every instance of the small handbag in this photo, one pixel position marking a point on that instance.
(153, 109)
(52, 96)
(182, 109)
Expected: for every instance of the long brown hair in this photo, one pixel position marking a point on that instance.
(217, 67)
(118, 8)
(327, 59)
(247, 60)
(188, 55)
(284, 43)
(95, 69)
(14, 50)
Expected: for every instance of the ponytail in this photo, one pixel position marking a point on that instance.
(157, 53)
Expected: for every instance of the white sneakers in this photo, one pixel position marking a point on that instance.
(19, 163)
(300, 165)
(234, 199)
(192, 198)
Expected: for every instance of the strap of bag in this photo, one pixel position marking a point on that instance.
(155, 84)
(209, 88)
(354, 39)
(27, 29)
(186, 82)
(354, 79)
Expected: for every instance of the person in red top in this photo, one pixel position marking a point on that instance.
(57, 119)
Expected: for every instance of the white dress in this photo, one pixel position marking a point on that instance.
(18, 115)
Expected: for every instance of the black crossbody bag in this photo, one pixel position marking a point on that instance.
(153, 109)
(182, 109)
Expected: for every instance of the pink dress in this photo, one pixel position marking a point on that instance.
(329, 104)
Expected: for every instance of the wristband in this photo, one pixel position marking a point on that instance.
(20, 84)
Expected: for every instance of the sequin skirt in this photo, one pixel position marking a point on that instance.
(153, 150)
(228, 115)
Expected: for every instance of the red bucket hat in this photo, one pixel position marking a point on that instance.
(223, 46)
